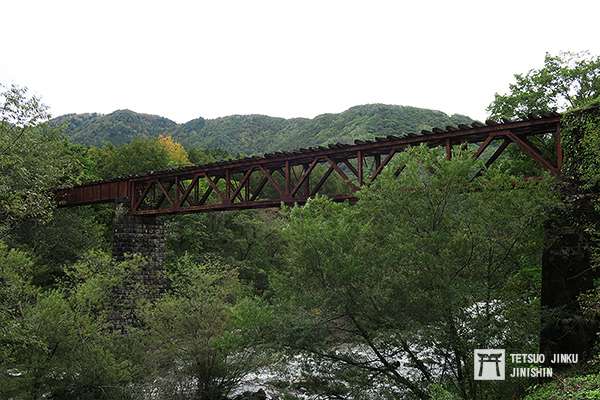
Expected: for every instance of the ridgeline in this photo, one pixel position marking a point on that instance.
(255, 134)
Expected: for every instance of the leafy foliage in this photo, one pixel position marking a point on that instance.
(175, 151)
(391, 295)
(197, 341)
(57, 343)
(581, 144)
(567, 80)
(34, 158)
(586, 387)
(69, 235)
(140, 156)
(200, 339)
(250, 240)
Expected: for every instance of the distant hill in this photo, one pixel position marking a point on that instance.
(118, 127)
(255, 134)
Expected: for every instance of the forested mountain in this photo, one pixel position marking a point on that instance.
(251, 134)
(117, 127)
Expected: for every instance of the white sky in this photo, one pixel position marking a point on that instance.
(184, 59)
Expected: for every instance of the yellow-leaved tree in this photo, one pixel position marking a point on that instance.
(177, 154)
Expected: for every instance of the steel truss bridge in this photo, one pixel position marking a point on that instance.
(337, 170)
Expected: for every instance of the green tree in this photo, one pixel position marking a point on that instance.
(69, 235)
(34, 158)
(249, 240)
(197, 341)
(200, 155)
(141, 155)
(58, 343)
(565, 81)
(392, 295)
(200, 338)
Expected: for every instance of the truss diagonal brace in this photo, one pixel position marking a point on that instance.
(187, 192)
(382, 165)
(528, 148)
(143, 195)
(342, 174)
(241, 184)
(214, 187)
(165, 193)
(268, 175)
(304, 176)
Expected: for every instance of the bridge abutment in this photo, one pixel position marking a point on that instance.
(567, 272)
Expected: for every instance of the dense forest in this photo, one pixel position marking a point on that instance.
(254, 134)
(383, 299)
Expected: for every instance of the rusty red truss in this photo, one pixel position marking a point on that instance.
(337, 170)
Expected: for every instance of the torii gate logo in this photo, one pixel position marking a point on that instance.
(489, 364)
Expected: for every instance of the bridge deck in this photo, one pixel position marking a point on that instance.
(337, 170)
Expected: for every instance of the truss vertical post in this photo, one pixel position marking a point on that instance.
(131, 195)
(448, 150)
(227, 199)
(287, 184)
(247, 189)
(360, 159)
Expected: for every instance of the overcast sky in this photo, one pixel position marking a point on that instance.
(184, 59)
